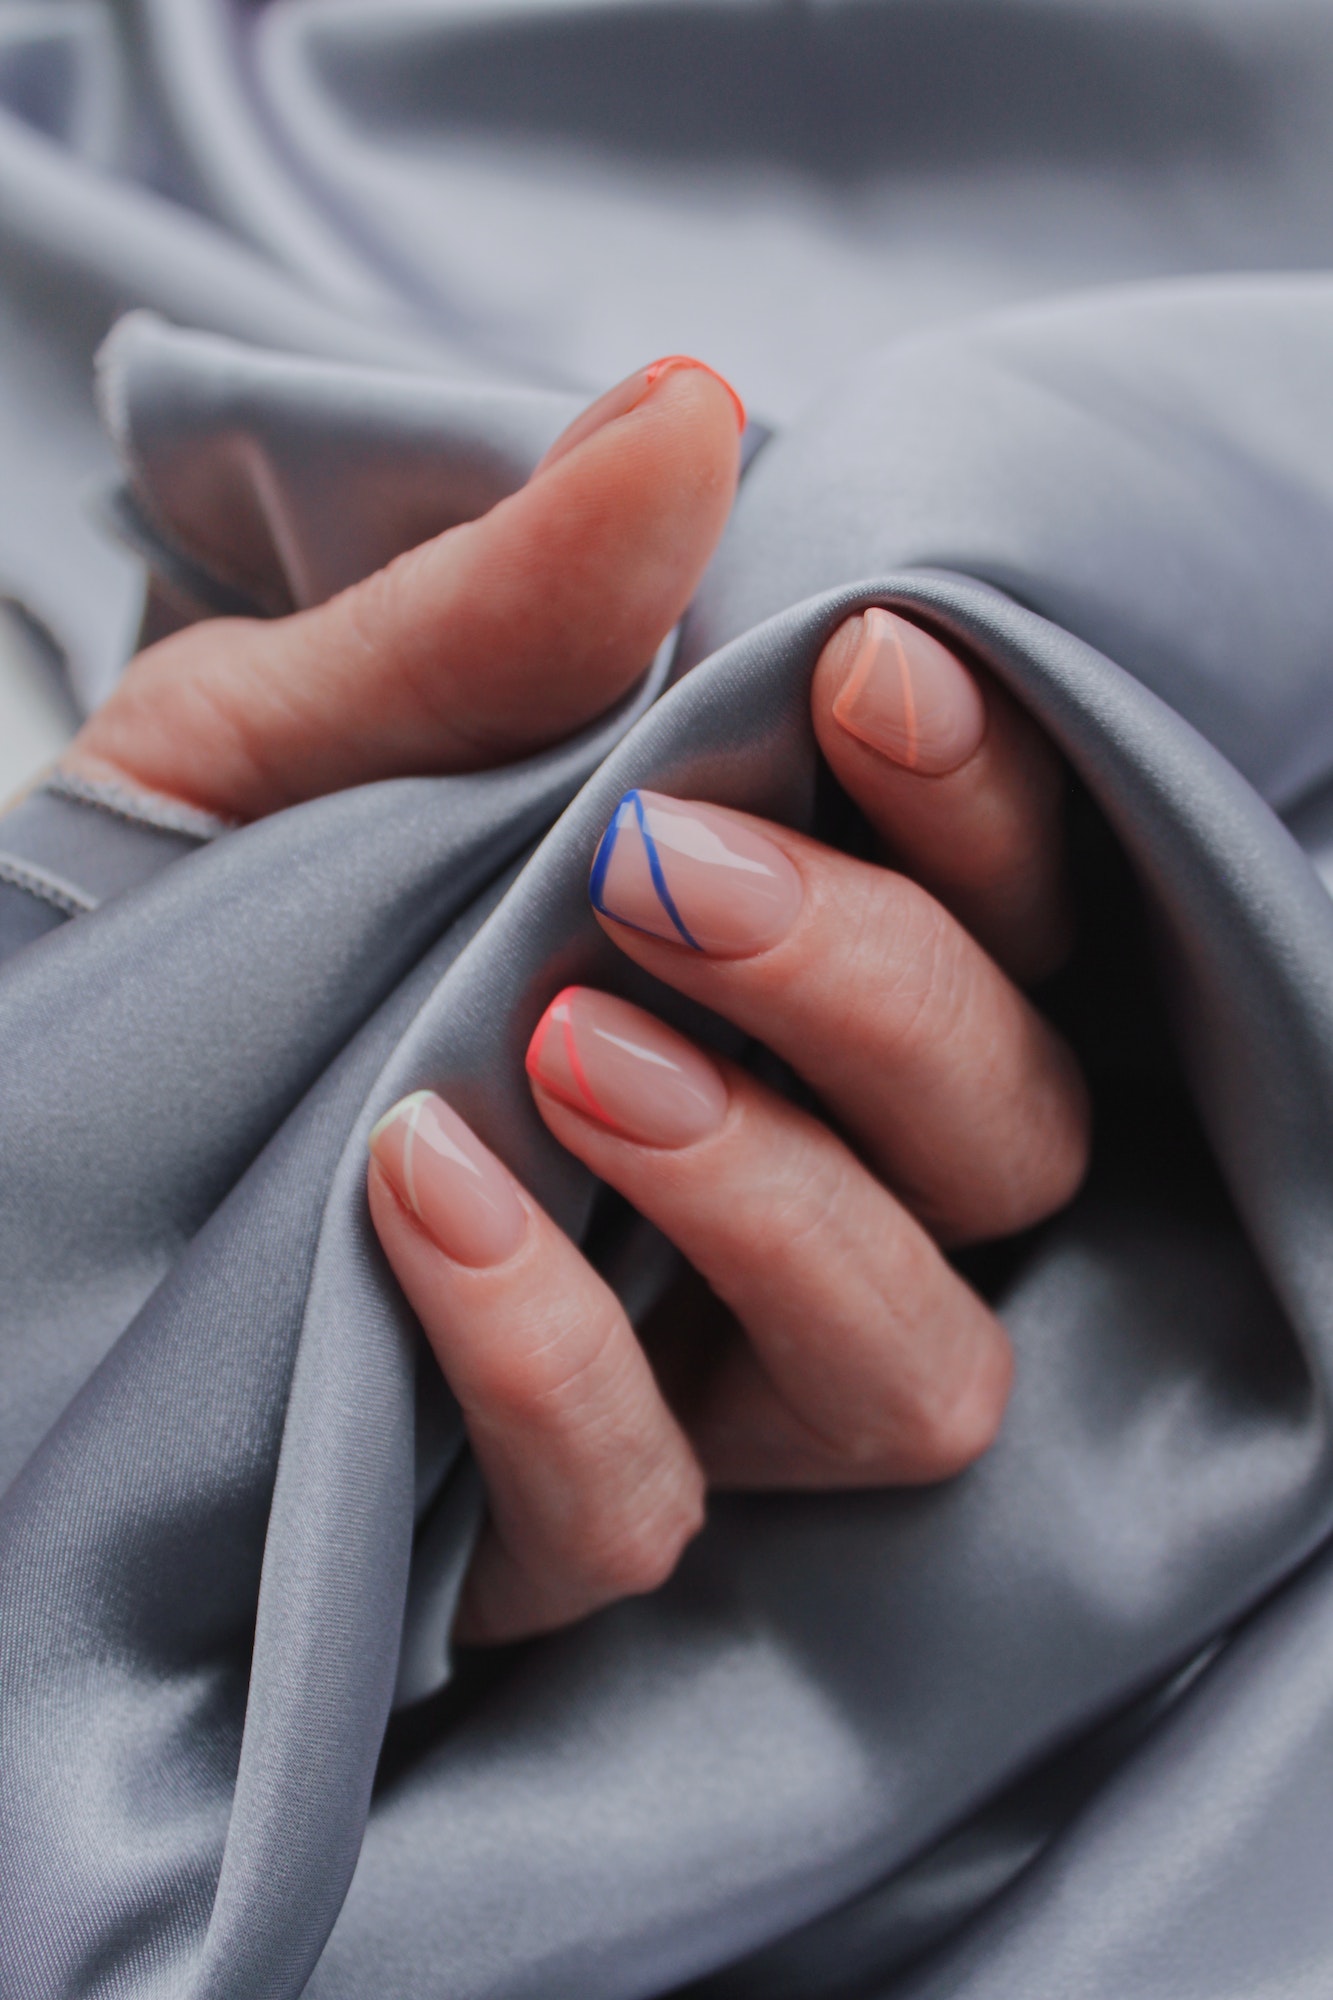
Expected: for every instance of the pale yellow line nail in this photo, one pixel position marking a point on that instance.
(409, 1105)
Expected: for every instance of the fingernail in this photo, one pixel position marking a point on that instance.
(618, 1065)
(458, 1191)
(695, 874)
(909, 698)
(627, 396)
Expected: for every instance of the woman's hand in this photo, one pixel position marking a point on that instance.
(850, 1352)
(845, 1350)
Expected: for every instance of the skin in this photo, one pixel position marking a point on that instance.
(841, 1347)
(485, 644)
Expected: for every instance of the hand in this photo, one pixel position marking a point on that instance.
(846, 1350)
(853, 1353)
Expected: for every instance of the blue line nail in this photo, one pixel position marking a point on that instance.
(664, 894)
(632, 802)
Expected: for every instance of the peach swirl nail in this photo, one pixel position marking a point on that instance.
(909, 698)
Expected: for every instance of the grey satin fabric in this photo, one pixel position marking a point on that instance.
(82, 843)
(622, 1790)
(1061, 1726)
(500, 193)
(260, 482)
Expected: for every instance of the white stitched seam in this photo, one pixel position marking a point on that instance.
(64, 896)
(139, 808)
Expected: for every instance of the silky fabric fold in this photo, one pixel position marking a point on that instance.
(1164, 1464)
(508, 196)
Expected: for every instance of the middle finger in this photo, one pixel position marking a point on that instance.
(958, 1091)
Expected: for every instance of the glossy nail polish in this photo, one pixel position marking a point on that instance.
(694, 874)
(909, 698)
(627, 396)
(458, 1191)
(618, 1065)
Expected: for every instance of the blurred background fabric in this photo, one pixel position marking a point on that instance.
(522, 191)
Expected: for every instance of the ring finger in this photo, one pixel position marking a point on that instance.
(906, 1374)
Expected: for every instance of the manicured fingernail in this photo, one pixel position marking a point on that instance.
(627, 396)
(695, 874)
(458, 1191)
(909, 698)
(618, 1065)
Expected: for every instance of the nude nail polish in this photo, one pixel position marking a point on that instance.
(458, 1191)
(697, 875)
(909, 698)
(627, 396)
(629, 1072)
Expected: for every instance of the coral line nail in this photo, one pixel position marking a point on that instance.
(576, 1065)
(561, 1010)
(533, 1060)
(651, 1085)
(669, 362)
(876, 626)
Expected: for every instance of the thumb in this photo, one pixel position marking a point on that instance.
(485, 644)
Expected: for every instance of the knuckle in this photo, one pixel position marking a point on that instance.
(803, 1209)
(1056, 1157)
(922, 978)
(807, 1202)
(546, 1373)
(936, 1426)
(374, 610)
(637, 1553)
(364, 608)
(954, 1434)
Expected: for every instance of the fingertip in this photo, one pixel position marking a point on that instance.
(895, 689)
(625, 1071)
(673, 363)
(1064, 1158)
(955, 776)
(462, 1196)
(634, 393)
(956, 1413)
(966, 1428)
